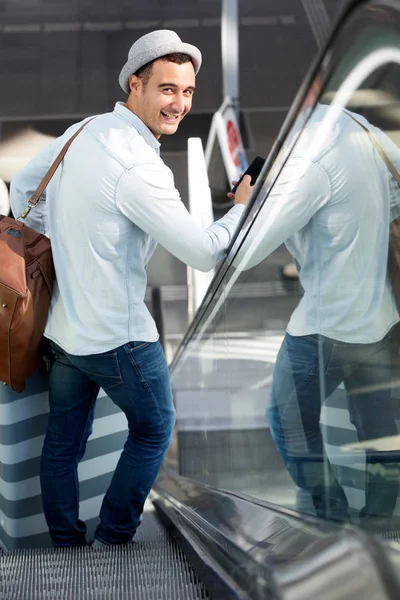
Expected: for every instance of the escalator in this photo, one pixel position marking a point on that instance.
(152, 568)
(225, 519)
(259, 525)
(242, 548)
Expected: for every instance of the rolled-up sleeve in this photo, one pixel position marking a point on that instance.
(25, 183)
(147, 196)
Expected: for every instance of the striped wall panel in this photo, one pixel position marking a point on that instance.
(23, 419)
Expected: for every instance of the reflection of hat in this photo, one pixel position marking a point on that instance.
(155, 45)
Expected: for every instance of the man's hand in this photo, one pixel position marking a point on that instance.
(243, 192)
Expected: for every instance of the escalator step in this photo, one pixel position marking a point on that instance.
(153, 568)
(394, 536)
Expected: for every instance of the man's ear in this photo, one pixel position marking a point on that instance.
(134, 83)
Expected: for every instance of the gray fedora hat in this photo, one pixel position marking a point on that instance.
(155, 45)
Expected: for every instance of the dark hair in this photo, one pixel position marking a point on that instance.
(176, 57)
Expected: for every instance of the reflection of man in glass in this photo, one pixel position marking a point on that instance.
(332, 205)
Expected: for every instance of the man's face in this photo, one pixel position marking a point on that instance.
(166, 98)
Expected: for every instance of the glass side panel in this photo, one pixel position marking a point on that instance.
(289, 388)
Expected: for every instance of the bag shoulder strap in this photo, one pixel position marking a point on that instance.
(34, 199)
(379, 149)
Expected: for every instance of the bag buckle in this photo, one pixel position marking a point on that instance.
(26, 212)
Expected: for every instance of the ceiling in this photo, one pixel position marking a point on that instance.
(59, 62)
(63, 58)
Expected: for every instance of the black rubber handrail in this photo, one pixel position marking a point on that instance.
(247, 548)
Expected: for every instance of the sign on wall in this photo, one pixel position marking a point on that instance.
(230, 142)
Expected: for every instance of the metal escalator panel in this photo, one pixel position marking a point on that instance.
(152, 568)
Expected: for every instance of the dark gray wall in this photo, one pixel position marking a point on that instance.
(59, 57)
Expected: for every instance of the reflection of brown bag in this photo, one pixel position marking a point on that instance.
(26, 280)
(394, 231)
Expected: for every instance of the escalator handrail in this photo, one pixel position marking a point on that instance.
(260, 545)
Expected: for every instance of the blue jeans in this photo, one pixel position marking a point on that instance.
(136, 377)
(307, 371)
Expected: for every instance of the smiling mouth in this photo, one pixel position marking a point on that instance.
(170, 118)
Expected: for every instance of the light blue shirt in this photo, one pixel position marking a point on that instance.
(111, 200)
(332, 205)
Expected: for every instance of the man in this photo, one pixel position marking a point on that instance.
(108, 205)
(331, 205)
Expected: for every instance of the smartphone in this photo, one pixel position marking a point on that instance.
(254, 169)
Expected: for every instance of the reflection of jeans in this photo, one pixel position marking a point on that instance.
(135, 376)
(294, 413)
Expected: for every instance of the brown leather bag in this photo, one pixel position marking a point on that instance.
(394, 230)
(26, 281)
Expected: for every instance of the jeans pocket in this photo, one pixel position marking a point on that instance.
(344, 357)
(54, 351)
(300, 357)
(339, 357)
(147, 358)
(102, 368)
(137, 345)
(316, 338)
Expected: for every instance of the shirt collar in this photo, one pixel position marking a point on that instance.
(122, 111)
